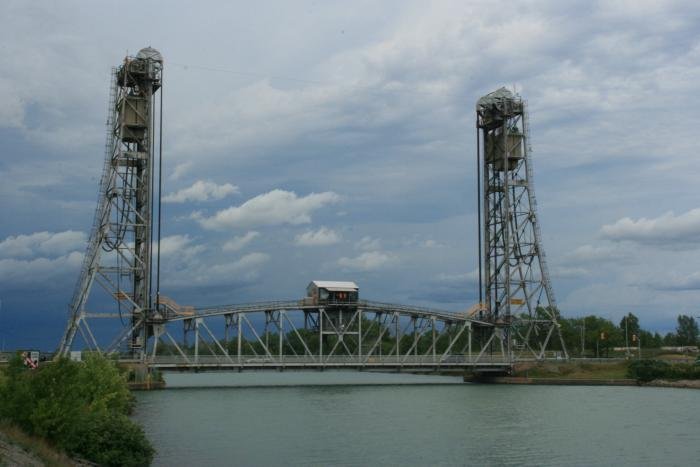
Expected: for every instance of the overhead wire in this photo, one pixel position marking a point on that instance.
(160, 187)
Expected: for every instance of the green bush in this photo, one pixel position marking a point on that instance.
(80, 407)
(109, 439)
(648, 370)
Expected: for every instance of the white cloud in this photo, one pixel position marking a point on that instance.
(180, 245)
(367, 261)
(244, 264)
(676, 282)
(368, 243)
(392, 113)
(201, 191)
(273, 208)
(12, 110)
(180, 170)
(666, 231)
(460, 278)
(42, 243)
(595, 254)
(320, 237)
(208, 273)
(238, 243)
(38, 270)
(563, 272)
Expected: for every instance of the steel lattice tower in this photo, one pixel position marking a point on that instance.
(119, 253)
(517, 291)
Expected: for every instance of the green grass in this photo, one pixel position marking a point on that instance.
(573, 370)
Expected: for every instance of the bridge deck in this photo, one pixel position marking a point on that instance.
(294, 362)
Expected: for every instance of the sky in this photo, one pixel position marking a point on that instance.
(336, 140)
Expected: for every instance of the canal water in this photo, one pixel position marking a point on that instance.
(323, 419)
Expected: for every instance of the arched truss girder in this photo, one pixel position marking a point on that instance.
(294, 334)
(424, 337)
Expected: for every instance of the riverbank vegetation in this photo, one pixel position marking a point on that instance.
(644, 371)
(79, 407)
(573, 370)
(650, 370)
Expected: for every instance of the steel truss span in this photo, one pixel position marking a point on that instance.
(518, 295)
(292, 335)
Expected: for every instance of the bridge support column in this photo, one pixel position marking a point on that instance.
(196, 339)
(238, 337)
(415, 336)
(359, 336)
(398, 337)
(281, 333)
(320, 336)
(228, 322)
(469, 342)
(158, 330)
(432, 325)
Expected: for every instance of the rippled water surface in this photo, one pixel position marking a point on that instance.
(409, 420)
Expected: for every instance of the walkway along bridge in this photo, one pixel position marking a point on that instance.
(515, 318)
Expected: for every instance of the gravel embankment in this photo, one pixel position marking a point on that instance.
(12, 455)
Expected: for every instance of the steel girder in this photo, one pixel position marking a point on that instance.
(291, 335)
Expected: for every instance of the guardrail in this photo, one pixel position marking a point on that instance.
(275, 361)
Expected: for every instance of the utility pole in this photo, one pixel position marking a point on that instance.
(639, 344)
(583, 338)
(627, 343)
(597, 353)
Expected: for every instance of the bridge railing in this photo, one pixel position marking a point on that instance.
(327, 361)
(372, 306)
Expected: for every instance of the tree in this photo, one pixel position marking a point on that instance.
(687, 330)
(670, 339)
(81, 407)
(631, 323)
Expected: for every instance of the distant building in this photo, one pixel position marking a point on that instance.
(681, 349)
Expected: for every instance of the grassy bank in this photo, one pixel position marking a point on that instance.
(616, 373)
(19, 448)
(572, 370)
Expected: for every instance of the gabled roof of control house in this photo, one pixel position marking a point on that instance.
(336, 286)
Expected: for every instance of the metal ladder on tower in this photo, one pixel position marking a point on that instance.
(92, 254)
(544, 268)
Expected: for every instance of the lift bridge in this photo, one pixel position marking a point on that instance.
(331, 327)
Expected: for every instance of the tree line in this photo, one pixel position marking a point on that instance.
(583, 336)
